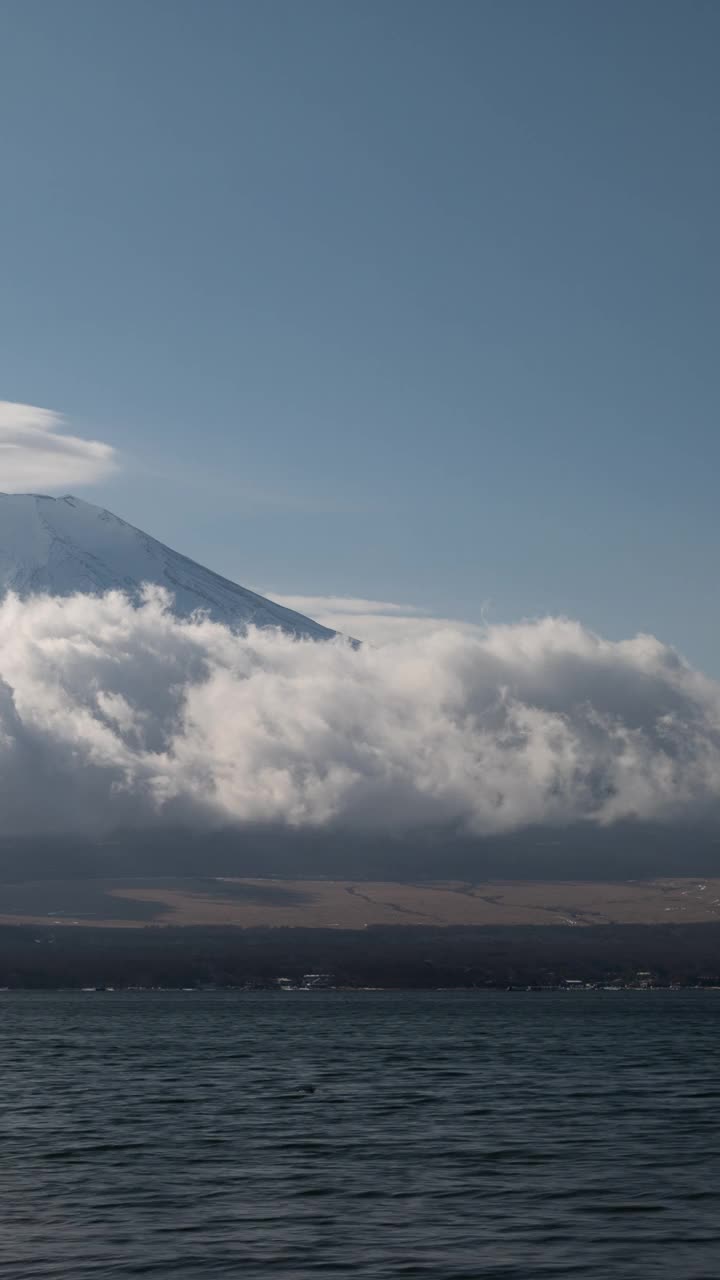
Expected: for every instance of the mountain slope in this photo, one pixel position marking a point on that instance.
(61, 546)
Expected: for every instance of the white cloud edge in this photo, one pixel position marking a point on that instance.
(375, 621)
(340, 604)
(38, 453)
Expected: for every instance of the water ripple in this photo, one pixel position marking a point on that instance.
(382, 1135)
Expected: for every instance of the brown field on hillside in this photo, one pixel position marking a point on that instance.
(346, 904)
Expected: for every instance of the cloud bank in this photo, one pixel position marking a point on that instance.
(115, 716)
(36, 452)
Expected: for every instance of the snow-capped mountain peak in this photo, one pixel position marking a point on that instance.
(60, 546)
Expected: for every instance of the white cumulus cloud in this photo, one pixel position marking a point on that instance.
(36, 452)
(113, 716)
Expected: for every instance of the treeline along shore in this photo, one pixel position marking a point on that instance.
(389, 957)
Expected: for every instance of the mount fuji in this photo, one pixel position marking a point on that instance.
(62, 546)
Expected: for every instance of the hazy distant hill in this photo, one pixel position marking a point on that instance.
(582, 852)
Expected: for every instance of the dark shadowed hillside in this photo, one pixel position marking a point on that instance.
(586, 852)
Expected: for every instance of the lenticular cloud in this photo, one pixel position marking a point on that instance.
(114, 715)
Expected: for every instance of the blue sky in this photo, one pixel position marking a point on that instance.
(407, 300)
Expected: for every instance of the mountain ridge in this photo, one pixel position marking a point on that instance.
(73, 546)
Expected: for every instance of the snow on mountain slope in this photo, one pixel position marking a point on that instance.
(61, 546)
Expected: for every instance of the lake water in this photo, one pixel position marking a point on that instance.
(448, 1135)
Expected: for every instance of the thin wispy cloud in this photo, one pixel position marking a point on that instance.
(355, 605)
(37, 452)
(375, 621)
